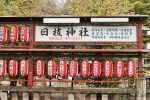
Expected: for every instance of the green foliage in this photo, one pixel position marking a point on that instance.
(18, 7)
(97, 7)
(142, 7)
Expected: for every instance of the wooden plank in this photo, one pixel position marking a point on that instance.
(70, 96)
(47, 96)
(14, 96)
(145, 27)
(115, 96)
(127, 96)
(105, 97)
(36, 96)
(25, 96)
(81, 96)
(141, 89)
(69, 89)
(74, 50)
(4, 96)
(59, 96)
(93, 97)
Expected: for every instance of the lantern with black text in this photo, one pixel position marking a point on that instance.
(119, 69)
(23, 70)
(24, 36)
(96, 69)
(51, 68)
(84, 68)
(131, 69)
(62, 68)
(13, 67)
(73, 68)
(39, 68)
(107, 69)
(13, 34)
(3, 34)
(2, 67)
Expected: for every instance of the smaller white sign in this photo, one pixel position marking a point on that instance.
(85, 34)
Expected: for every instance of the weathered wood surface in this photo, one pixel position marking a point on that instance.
(47, 96)
(36, 96)
(141, 89)
(69, 89)
(25, 96)
(14, 96)
(4, 96)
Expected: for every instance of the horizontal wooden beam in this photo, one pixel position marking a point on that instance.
(145, 27)
(74, 50)
(71, 55)
(70, 90)
(87, 43)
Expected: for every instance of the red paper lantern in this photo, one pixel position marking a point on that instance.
(13, 67)
(73, 68)
(107, 69)
(119, 69)
(24, 36)
(2, 67)
(131, 69)
(51, 68)
(23, 70)
(13, 34)
(3, 34)
(84, 69)
(96, 69)
(62, 68)
(39, 68)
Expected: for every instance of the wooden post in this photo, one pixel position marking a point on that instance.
(70, 96)
(81, 96)
(115, 96)
(47, 96)
(25, 96)
(14, 96)
(140, 47)
(36, 96)
(4, 96)
(93, 97)
(147, 96)
(141, 89)
(104, 96)
(59, 96)
(127, 96)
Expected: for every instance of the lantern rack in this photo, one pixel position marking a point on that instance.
(31, 48)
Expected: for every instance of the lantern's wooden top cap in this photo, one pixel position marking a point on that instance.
(40, 18)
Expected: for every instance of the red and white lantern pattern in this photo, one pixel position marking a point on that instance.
(62, 68)
(119, 69)
(2, 67)
(13, 34)
(73, 68)
(131, 69)
(23, 70)
(84, 68)
(39, 68)
(13, 67)
(107, 69)
(96, 69)
(24, 36)
(3, 34)
(51, 68)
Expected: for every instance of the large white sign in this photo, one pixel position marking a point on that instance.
(85, 34)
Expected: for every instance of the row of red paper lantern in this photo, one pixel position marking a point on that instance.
(13, 34)
(72, 68)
